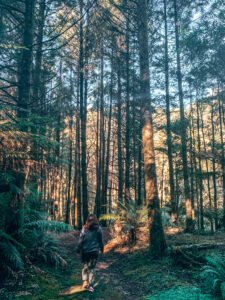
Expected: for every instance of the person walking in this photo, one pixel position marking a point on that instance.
(89, 245)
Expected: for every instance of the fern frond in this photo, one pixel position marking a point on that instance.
(46, 225)
(11, 256)
(108, 217)
(4, 235)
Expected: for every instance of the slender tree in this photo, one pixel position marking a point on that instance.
(188, 206)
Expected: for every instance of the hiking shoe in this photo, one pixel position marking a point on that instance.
(85, 285)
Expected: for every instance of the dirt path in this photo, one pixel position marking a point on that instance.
(109, 271)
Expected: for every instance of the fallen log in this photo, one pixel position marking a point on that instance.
(190, 255)
(201, 246)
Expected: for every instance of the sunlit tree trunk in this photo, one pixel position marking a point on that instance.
(157, 239)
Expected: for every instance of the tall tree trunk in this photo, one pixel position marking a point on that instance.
(207, 166)
(119, 127)
(200, 171)
(134, 136)
(102, 139)
(68, 202)
(77, 175)
(98, 179)
(108, 138)
(214, 168)
(192, 158)
(24, 89)
(83, 117)
(188, 206)
(157, 238)
(39, 53)
(168, 127)
(222, 153)
(139, 193)
(127, 137)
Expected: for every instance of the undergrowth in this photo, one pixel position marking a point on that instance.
(180, 293)
(25, 238)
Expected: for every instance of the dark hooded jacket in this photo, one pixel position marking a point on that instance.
(90, 240)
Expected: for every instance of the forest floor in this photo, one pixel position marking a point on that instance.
(121, 273)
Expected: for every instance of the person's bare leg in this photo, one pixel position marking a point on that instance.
(85, 271)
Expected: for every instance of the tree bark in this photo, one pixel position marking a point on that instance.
(24, 89)
(200, 172)
(168, 127)
(127, 137)
(157, 238)
(83, 116)
(222, 154)
(214, 168)
(106, 177)
(119, 127)
(188, 207)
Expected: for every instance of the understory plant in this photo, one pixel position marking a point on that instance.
(128, 219)
(180, 293)
(25, 237)
(213, 275)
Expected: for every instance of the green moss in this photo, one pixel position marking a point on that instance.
(180, 293)
(54, 281)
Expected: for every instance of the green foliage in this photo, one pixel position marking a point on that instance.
(166, 218)
(213, 275)
(180, 293)
(11, 259)
(47, 251)
(46, 225)
(130, 217)
(25, 234)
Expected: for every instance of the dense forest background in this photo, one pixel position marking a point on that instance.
(109, 103)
